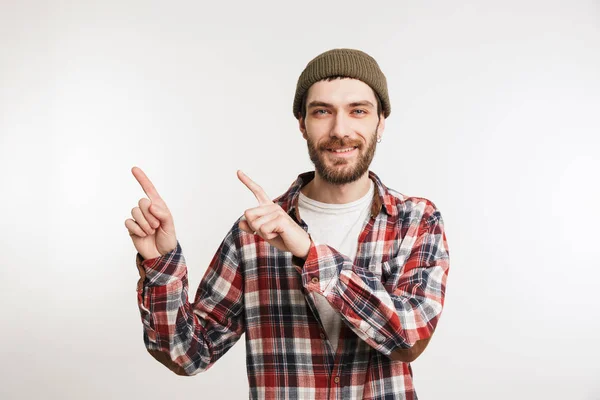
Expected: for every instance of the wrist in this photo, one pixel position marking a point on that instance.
(304, 254)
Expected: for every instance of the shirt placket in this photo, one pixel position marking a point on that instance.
(336, 379)
(335, 358)
(340, 374)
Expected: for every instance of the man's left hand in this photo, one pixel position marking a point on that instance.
(272, 223)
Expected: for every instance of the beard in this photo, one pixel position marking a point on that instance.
(339, 171)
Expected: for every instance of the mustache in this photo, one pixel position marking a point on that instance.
(338, 144)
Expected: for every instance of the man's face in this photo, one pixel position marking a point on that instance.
(341, 115)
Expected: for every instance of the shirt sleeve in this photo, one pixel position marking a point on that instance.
(396, 313)
(189, 337)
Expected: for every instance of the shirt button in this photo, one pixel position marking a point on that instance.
(315, 280)
(336, 379)
(322, 335)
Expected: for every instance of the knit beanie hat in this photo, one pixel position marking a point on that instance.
(344, 62)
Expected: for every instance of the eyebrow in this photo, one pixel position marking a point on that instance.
(315, 103)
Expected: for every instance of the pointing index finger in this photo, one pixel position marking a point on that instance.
(258, 191)
(146, 185)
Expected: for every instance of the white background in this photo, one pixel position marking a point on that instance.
(495, 118)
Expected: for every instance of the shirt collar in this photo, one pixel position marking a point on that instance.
(382, 198)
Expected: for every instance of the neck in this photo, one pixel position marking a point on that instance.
(326, 192)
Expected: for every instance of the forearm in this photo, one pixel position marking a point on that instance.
(388, 319)
(172, 332)
(190, 337)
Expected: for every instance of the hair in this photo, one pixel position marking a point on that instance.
(330, 78)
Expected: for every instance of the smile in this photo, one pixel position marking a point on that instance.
(344, 150)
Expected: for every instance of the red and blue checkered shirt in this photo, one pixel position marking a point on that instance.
(389, 297)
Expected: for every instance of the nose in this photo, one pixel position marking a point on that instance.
(341, 126)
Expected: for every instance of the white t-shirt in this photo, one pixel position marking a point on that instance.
(338, 226)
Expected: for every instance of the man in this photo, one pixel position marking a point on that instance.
(338, 283)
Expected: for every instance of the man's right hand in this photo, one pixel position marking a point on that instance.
(151, 229)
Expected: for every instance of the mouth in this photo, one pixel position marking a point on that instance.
(344, 151)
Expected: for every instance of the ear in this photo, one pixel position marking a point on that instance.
(302, 126)
(381, 125)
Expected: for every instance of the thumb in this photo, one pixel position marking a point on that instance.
(163, 216)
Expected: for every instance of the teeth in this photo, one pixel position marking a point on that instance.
(344, 150)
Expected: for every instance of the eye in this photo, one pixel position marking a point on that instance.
(320, 112)
(360, 111)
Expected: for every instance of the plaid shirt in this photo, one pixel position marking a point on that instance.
(389, 297)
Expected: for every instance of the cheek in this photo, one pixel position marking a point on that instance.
(317, 130)
(316, 125)
(367, 124)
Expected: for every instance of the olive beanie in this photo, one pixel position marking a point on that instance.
(350, 63)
